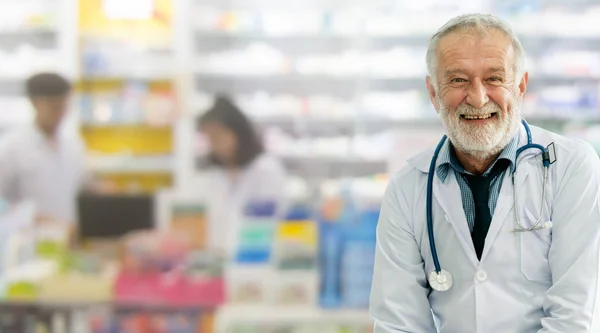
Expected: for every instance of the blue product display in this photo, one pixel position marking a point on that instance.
(253, 256)
(358, 260)
(255, 241)
(298, 212)
(266, 208)
(93, 62)
(330, 247)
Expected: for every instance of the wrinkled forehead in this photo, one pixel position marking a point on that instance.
(475, 51)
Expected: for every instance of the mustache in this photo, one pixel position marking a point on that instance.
(469, 110)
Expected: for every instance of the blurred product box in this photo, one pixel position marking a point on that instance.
(22, 282)
(249, 284)
(296, 245)
(163, 268)
(144, 322)
(76, 287)
(296, 288)
(254, 235)
(173, 289)
(190, 218)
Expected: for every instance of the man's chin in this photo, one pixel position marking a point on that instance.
(472, 146)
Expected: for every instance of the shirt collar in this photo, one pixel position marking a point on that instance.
(447, 159)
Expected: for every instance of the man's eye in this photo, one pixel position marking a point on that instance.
(458, 80)
(495, 79)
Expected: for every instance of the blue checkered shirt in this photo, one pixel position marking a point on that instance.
(447, 159)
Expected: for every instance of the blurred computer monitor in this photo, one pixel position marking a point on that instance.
(114, 215)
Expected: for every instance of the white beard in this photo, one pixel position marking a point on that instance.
(481, 141)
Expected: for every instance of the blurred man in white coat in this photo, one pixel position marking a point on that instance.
(43, 162)
(498, 228)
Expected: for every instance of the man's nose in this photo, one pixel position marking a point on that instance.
(477, 94)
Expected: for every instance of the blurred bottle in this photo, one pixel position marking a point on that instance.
(330, 244)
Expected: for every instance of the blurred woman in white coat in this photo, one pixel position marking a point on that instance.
(239, 171)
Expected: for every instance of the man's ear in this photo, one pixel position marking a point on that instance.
(523, 84)
(432, 93)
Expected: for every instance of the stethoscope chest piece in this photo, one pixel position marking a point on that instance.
(441, 281)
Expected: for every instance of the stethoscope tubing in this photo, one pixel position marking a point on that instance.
(430, 178)
(429, 204)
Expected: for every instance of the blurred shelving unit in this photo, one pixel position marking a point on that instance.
(127, 94)
(237, 318)
(35, 35)
(334, 81)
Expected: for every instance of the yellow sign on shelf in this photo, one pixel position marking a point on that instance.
(300, 231)
(111, 85)
(139, 182)
(143, 20)
(134, 139)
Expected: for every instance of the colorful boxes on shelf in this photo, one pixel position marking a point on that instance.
(164, 269)
(276, 261)
(169, 289)
(249, 275)
(296, 281)
(296, 288)
(249, 283)
(142, 321)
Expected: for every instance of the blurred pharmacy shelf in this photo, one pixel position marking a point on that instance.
(35, 35)
(130, 164)
(321, 79)
(232, 315)
(329, 83)
(127, 94)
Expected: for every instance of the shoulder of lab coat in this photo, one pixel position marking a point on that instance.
(17, 142)
(268, 171)
(571, 303)
(264, 178)
(11, 143)
(399, 295)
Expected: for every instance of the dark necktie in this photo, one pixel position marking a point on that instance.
(480, 188)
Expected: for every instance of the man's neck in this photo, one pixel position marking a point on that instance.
(48, 132)
(475, 164)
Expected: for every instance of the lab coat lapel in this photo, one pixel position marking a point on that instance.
(504, 207)
(449, 197)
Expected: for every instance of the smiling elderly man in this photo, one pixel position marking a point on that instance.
(480, 235)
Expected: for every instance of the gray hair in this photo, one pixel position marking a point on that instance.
(475, 23)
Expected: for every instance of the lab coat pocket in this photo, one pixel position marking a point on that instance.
(534, 248)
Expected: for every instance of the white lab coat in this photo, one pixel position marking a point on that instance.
(542, 281)
(263, 179)
(49, 175)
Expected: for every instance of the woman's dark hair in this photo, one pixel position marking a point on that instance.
(225, 113)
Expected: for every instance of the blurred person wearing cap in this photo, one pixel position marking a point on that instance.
(43, 162)
(240, 171)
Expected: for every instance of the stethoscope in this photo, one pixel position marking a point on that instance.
(440, 279)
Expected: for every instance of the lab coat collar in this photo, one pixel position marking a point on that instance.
(43, 139)
(422, 160)
(447, 159)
